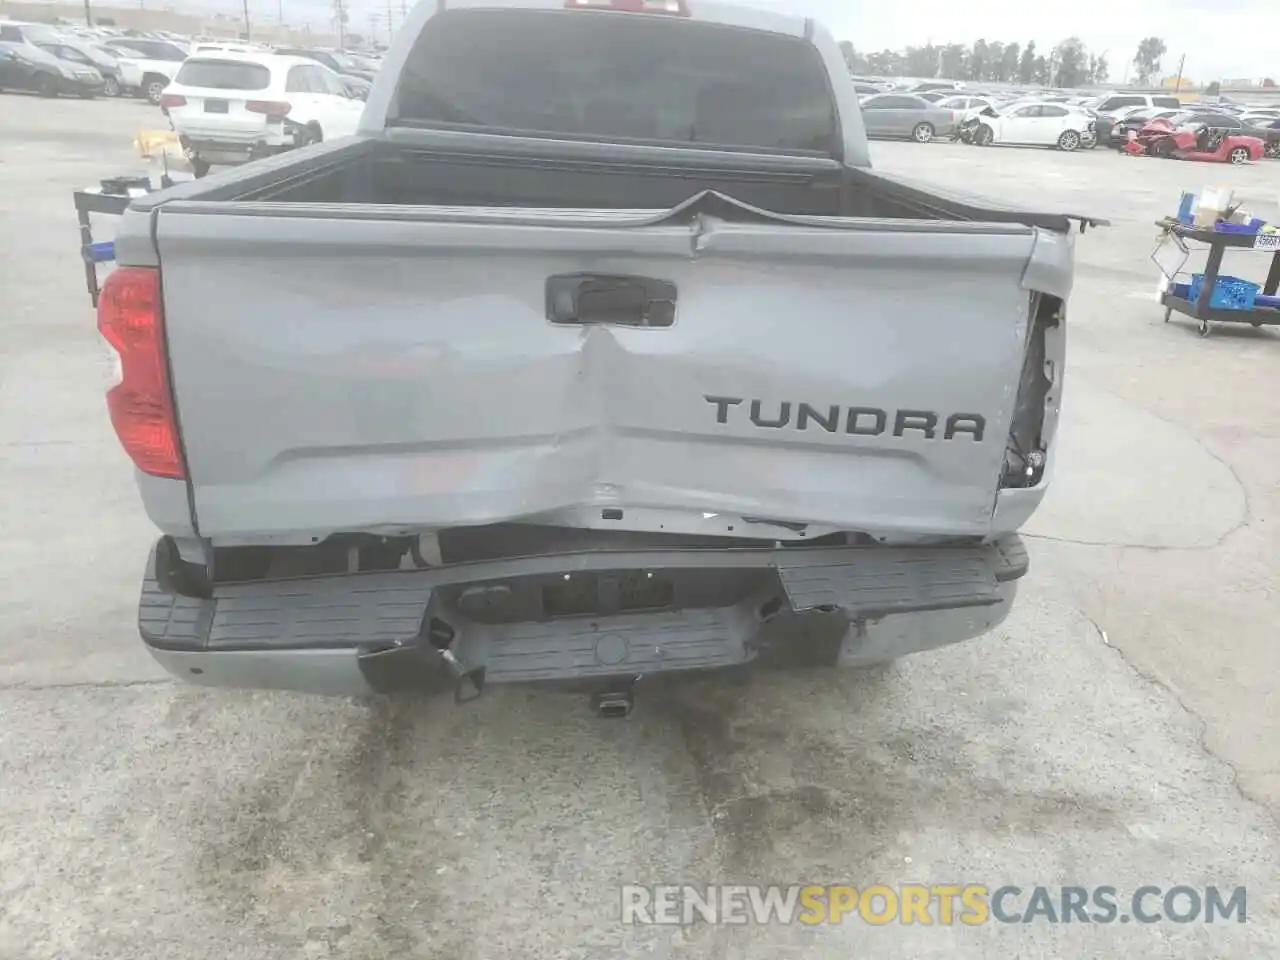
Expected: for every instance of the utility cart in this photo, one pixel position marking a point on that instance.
(111, 196)
(1213, 297)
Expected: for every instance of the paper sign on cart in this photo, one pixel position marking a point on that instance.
(1267, 241)
(1170, 255)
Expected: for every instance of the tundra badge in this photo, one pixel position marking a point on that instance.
(855, 421)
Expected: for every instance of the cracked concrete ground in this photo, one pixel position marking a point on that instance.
(1119, 729)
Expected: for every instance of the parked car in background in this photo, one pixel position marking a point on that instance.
(1195, 141)
(1036, 124)
(1105, 123)
(216, 46)
(1216, 119)
(164, 50)
(1123, 112)
(1268, 131)
(1116, 101)
(155, 62)
(1263, 120)
(370, 64)
(964, 107)
(130, 70)
(357, 87)
(928, 86)
(19, 31)
(1134, 120)
(228, 108)
(24, 66)
(76, 51)
(906, 115)
(335, 61)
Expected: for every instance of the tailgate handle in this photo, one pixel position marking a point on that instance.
(620, 299)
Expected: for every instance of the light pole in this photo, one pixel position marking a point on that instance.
(341, 16)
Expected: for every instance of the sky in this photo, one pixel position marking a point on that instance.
(1223, 39)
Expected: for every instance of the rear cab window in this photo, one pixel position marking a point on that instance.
(618, 77)
(1169, 102)
(224, 75)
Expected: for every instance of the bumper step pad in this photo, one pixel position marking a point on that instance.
(369, 610)
(882, 582)
(583, 647)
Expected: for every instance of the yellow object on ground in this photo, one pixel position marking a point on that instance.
(151, 144)
(163, 151)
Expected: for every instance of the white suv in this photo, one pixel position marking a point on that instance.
(965, 107)
(231, 107)
(149, 63)
(1116, 101)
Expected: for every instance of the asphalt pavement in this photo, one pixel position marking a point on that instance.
(1120, 729)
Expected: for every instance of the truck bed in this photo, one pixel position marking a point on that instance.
(458, 170)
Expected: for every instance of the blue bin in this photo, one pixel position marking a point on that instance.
(102, 251)
(1252, 227)
(1186, 215)
(1229, 293)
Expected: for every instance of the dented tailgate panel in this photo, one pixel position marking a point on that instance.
(352, 373)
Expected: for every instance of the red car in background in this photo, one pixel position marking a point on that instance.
(1159, 138)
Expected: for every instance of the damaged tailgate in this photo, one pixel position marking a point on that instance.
(357, 367)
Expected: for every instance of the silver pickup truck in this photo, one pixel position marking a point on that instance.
(601, 352)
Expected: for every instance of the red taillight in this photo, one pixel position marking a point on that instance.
(141, 404)
(272, 108)
(670, 8)
(169, 100)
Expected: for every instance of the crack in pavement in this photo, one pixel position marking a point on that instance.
(1149, 547)
(1202, 737)
(86, 684)
(1246, 515)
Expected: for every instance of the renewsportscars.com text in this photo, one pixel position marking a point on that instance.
(929, 904)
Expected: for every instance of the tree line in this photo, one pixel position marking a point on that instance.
(1069, 64)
